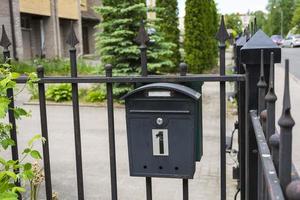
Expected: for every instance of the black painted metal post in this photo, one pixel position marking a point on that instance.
(185, 182)
(222, 36)
(250, 54)
(5, 43)
(44, 129)
(73, 41)
(111, 132)
(286, 124)
(142, 39)
(241, 116)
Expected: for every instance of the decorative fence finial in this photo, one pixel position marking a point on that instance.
(271, 96)
(286, 119)
(4, 42)
(142, 37)
(222, 34)
(286, 124)
(293, 190)
(255, 25)
(247, 33)
(72, 38)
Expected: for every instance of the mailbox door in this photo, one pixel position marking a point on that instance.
(161, 141)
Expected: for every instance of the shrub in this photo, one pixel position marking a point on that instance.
(59, 92)
(95, 96)
(201, 25)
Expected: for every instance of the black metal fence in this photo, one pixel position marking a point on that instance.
(254, 152)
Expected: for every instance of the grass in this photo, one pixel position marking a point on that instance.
(57, 67)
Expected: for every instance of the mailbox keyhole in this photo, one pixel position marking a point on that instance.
(160, 135)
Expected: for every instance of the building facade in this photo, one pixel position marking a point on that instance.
(38, 28)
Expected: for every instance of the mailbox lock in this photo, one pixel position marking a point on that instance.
(159, 121)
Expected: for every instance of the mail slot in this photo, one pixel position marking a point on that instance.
(161, 123)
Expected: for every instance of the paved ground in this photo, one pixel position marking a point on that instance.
(293, 56)
(96, 157)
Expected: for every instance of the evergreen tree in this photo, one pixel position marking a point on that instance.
(115, 43)
(167, 13)
(201, 26)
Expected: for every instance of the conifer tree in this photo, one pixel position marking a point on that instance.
(115, 42)
(167, 13)
(201, 25)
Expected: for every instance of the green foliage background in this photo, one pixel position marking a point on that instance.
(168, 14)
(234, 21)
(115, 43)
(277, 8)
(201, 25)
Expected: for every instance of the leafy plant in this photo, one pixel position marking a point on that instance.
(59, 92)
(12, 171)
(96, 94)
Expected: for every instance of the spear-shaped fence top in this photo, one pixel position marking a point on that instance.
(255, 25)
(286, 119)
(262, 82)
(222, 34)
(247, 33)
(4, 42)
(72, 38)
(271, 96)
(142, 38)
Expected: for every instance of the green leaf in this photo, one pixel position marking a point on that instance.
(8, 195)
(11, 174)
(27, 166)
(7, 142)
(4, 102)
(20, 112)
(34, 139)
(35, 154)
(18, 189)
(26, 151)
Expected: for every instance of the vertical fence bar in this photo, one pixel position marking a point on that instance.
(222, 36)
(262, 85)
(5, 43)
(111, 134)
(73, 41)
(241, 117)
(286, 124)
(142, 39)
(44, 129)
(271, 99)
(185, 182)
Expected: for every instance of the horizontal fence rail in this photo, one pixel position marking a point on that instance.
(138, 79)
(268, 169)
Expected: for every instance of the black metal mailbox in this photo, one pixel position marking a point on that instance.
(161, 124)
